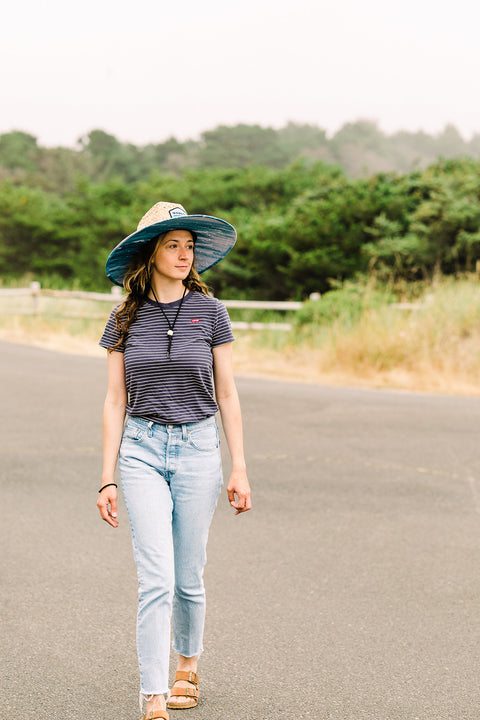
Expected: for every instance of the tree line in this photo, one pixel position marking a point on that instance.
(301, 229)
(360, 149)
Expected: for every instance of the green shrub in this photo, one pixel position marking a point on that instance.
(344, 306)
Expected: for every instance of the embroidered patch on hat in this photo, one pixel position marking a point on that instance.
(177, 212)
(195, 321)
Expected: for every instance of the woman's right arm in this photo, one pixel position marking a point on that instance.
(113, 419)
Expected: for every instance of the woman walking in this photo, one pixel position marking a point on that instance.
(169, 371)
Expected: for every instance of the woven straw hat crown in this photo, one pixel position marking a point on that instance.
(161, 211)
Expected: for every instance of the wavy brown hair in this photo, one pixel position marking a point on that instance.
(137, 286)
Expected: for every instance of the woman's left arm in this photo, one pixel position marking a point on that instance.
(227, 399)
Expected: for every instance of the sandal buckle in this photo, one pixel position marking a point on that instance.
(190, 692)
(192, 677)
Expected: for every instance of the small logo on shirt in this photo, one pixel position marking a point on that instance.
(195, 321)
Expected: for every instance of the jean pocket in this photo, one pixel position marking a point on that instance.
(134, 429)
(204, 439)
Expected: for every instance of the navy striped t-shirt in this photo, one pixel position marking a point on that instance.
(179, 388)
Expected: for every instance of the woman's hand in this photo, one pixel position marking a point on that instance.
(238, 490)
(107, 505)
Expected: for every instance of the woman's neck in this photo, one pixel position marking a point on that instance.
(166, 292)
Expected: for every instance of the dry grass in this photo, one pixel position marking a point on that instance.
(434, 349)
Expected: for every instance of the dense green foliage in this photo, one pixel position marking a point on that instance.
(301, 229)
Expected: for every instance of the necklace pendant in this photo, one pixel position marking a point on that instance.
(170, 333)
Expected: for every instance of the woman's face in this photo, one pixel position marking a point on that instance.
(173, 257)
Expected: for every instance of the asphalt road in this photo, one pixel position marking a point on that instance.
(350, 591)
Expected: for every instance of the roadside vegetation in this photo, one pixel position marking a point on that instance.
(422, 336)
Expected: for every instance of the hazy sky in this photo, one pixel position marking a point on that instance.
(146, 69)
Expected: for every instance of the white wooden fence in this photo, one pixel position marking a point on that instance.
(35, 292)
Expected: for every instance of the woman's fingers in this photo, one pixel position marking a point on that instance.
(244, 503)
(107, 506)
(239, 499)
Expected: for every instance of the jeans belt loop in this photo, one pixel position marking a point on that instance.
(149, 428)
(184, 433)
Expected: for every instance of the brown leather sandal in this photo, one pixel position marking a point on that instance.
(191, 693)
(155, 714)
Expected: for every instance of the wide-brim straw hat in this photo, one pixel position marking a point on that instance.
(214, 238)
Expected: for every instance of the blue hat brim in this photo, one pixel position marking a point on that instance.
(214, 238)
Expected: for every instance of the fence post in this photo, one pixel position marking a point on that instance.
(116, 293)
(35, 292)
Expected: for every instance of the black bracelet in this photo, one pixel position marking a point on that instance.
(107, 485)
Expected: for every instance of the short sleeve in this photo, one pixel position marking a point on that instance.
(111, 334)
(223, 329)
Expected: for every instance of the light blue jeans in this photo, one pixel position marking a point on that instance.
(171, 478)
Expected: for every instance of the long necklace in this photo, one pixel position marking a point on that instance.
(171, 326)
